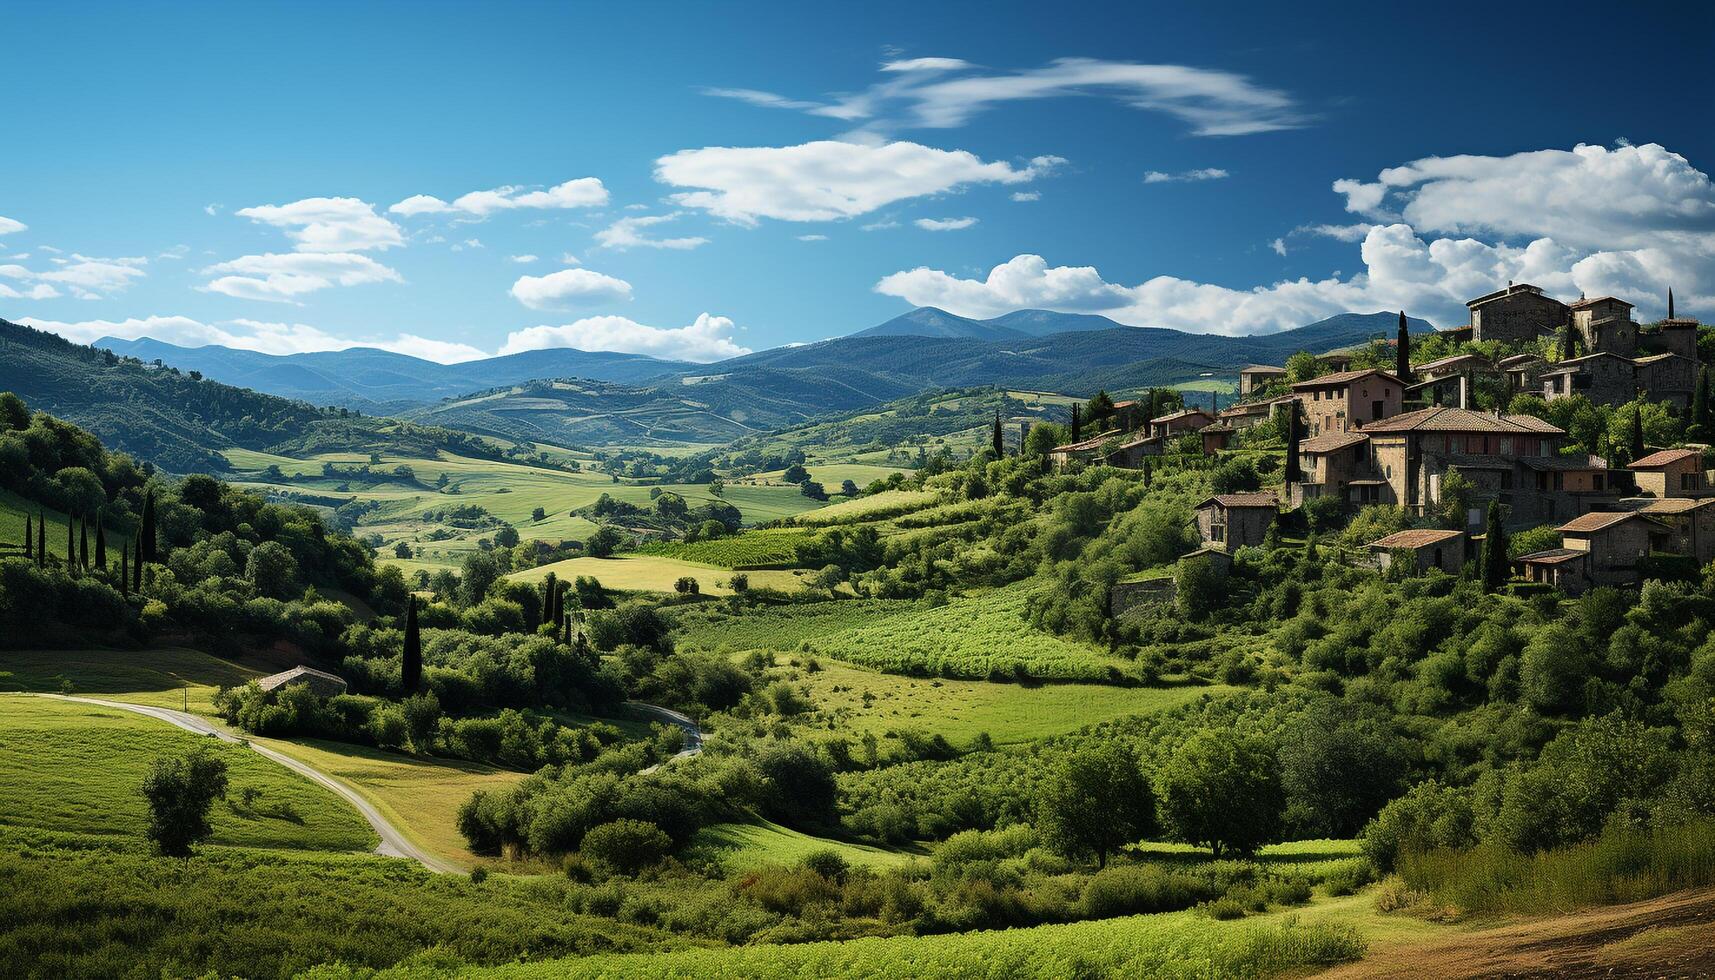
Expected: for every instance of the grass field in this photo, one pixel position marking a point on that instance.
(830, 475)
(745, 845)
(78, 768)
(866, 701)
(420, 796)
(888, 503)
(655, 573)
(759, 548)
(167, 678)
(13, 510)
(968, 637)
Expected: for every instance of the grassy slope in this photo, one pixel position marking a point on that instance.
(746, 845)
(654, 573)
(13, 510)
(77, 768)
(167, 678)
(1009, 713)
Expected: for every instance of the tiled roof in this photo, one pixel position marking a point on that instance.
(1240, 500)
(1600, 520)
(1182, 413)
(1443, 419)
(1455, 359)
(1261, 369)
(1599, 299)
(302, 673)
(1419, 538)
(1564, 463)
(1553, 556)
(1655, 358)
(1074, 447)
(1517, 359)
(1332, 442)
(1522, 287)
(1675, 505)
(1343, 377)
(1663, 458)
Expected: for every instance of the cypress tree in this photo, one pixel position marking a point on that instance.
(41, 538)
(1146, 473)
(71, 544)
(100, 541)
(1494, 550)
(137, 565)
(412, 673)
(83, 542)
(29, 536)
(1075, 422)
(1402, 352)
(550, 602)
(1637, 433)
(999, 443)
(146, 542)
(1294, 472)
(125, 567)
(1670, 303)
(1700, 402)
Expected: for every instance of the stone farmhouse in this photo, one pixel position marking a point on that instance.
(320, 681)
(1429, 548)
(1345, 400)
(1598, 549)
(1230, 521)
(1254, 377)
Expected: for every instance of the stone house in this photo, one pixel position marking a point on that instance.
(1605, 324)
(1690, 523)
(1413, 453)
(1605, 378)
(1667, 377)
(1614, 543)
(1431, 548)
(1674, 335)
(1216, 437)
(1185, 420)
(1345, 400)
(1563, 568)
(1671, 473)
(1522, 371)
(1083, 451)
(1331, 463)
(1230, 521)
(1456, 365)
(1247, 414)
(1254, 377)
(1128, 415)
(319, 681)
(1130, 453)
(1517, 313)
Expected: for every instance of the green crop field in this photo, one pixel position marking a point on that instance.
(167, 678)
(865, 701)
(745, 845)
(829, 474)
(655, 573)
(763, 548)
(968, 637)
(888, 503)
(78, 768)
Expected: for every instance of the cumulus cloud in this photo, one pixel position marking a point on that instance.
(1022, 196)
(631, 233)
(710, 338)
(940, 93)
(1628, 221)
(1278, 246)
(583, 192)
(11, 226)
(83, 276)
(522, 259)
(254, 335)
(328, 224)
(827, 179)
(568, 288)
(283, 277)
(944, 224)
(1204, 173)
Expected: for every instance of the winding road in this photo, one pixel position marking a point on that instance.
(394, 843)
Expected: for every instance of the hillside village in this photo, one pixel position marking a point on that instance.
(1448, 431)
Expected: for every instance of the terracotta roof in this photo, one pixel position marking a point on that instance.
(1182, 413)
(1456, 358)
(1126, 404)
(1663, 458)
(1443, 419)
(1599, 299)
(1414, 539)
(1073, 447)
(1553, 556)
(1522, 287)
(1654, 358)
(299, 673)
(1241, 500)
(1140, 440)
(1601, 520)
(1343, 377)
(1675, 505)
(1261, 369)
(1332, 442)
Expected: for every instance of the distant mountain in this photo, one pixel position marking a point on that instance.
(927, 321)
(374, 380)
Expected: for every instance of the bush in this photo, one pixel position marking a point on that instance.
(1139, 889)
(626, 846)
(828, 864)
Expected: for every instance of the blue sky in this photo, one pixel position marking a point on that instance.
(693, 180)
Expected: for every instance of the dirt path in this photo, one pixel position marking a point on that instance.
(693, 734)
(394, 843)
(1671, 936)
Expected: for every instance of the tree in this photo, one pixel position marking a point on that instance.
(29, 534)
(603, 543)
(1198, 588)
(539, 514)
(1222, 791)
(83, 543)
(687, 586)
(180, 792)
(626, 846)
(1301, 366)
(799, 786)
(795, 473)
(1635, 434)
(1337, 769)
(477, 575)
(1076, 424)
(146, 546)
(1095, 803)
(71, 541)
(1100, 407)
(1294, 432)
(1495, 566)
(813, 490)
(125, 567)
(100, 541)
(41, 538)
(273, 570)
(1457, 491)
(402, 550)
(997, 439)
(1402, 352)
(552, 611)
(848, 488)
(411, 666)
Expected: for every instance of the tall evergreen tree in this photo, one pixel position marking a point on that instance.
(551, 602)
(71, 543)
(1076, 427)
(1402, 352)
(41, 538)
(1294, 432)
(1636, 433)
(125, 567)
(411, 673)
(137, 565)
(100, 541)
(83, 542)
(146, 542)
(1494, 550)
(999, 442)
(1568, 342)
(29, 536)
(1700, 402)
(1147, 474)
(1670, 303)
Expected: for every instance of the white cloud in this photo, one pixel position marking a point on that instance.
(939, 93)
(522, 259)
(329, 224)
(1278, 245)
(568, 288)
(254, 335)
(708, 339)
(468, 243)
(1204, 173)
(567, 258)
(812, 238)
(826, 180)
(85, 277)
(1631, 222)
(11, 226)
(211, 209)
(944, 224)
(1022, 196)
(282, 277)
(629, 233)
(583, 192)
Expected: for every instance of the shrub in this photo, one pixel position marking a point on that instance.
(1139, 889)
(626, 846)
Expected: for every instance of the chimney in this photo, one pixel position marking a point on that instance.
(1465, 390)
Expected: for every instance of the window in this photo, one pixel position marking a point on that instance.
(1376, 408)
(1218, 532)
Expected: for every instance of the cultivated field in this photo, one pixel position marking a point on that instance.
(655, 573)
